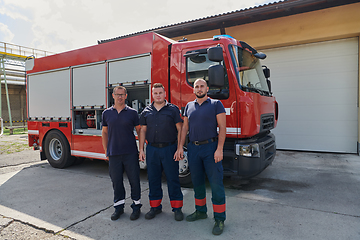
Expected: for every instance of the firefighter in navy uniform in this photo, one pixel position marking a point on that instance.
(205, 152)
(161, 125)
(119, 143)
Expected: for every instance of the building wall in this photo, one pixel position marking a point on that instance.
(310, 27)
(17, 97)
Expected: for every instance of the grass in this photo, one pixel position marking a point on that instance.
(15, 131)
(12, 145)
(8, 147)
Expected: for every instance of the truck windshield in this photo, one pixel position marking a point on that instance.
(249, 72)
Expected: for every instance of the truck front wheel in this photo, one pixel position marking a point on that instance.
(57, 150)
(184, 171)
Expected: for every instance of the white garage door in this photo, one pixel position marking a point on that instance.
(316, 86)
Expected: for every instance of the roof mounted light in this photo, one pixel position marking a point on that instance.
(218, 37)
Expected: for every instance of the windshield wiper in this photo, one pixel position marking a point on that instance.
(262, 92)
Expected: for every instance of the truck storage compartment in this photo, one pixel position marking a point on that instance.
(54, 101)
(88, 97)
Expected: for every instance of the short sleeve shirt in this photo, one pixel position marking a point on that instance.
(120, 130)
(161, 125)
(202, 119)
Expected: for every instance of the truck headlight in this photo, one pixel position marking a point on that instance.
(251, 150)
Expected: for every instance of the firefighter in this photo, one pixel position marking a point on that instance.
(160, 126)
(119, 143)
(205, 152)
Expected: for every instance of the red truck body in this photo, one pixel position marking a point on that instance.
(67, 92)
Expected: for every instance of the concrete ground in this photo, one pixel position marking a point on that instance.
(301, 196)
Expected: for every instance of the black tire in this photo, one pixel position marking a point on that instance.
(57, 150)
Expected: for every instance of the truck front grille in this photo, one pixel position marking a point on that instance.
(267, 122)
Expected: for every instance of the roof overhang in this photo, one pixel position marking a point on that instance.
(243, 16)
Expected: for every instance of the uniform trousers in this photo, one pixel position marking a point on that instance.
(128, 163)
(158, 160)
(202, 163)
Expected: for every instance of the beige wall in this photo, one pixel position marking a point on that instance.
(327, 24)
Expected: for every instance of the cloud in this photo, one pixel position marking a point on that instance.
(66, 24)
(10, 13)
(5, 34)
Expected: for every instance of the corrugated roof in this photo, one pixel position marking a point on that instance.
(242, 16)
(190, 21)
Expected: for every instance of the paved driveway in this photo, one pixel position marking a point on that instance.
(301, 196)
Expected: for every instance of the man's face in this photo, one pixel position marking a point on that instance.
(119, 96)
(200, 88)
(158, 95)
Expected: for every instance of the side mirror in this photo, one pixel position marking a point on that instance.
(267, 75)
(215, 54)
(266, 72)
(216, 76)
(260, 55)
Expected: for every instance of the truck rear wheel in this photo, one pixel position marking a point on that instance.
(57, 150)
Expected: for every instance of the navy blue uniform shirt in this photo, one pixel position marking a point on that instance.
(120, 130)
(161, 124)
(202, 119)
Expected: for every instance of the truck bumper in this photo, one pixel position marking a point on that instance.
(248, 158)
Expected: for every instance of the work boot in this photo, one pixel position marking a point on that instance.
(196, 216)
(135, 214)
(152, 213)
(218, 227)
(117, 213)
(179, 216)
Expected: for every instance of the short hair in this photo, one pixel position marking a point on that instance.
(120, 87)
(158, 85)
(200, 79)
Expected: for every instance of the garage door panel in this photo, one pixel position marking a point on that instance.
(317, 79)
(320, 113)
(317, 97)
(310, 51)
(316, 86)
(322, 144)
(332, 64)
(323, 81)
(315, 128)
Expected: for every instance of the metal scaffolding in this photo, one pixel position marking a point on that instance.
(12, 67)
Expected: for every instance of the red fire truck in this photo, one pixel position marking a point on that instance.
(67, 92)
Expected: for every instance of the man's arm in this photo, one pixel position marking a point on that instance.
(105, 140)
(184, 130)
(142, 134)
(178, 127)
(137, 129)
(221, 120)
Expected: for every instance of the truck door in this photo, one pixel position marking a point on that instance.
(196, 66)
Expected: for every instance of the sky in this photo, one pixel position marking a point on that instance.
(63, 25)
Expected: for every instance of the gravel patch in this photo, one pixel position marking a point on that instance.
(15, 230)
